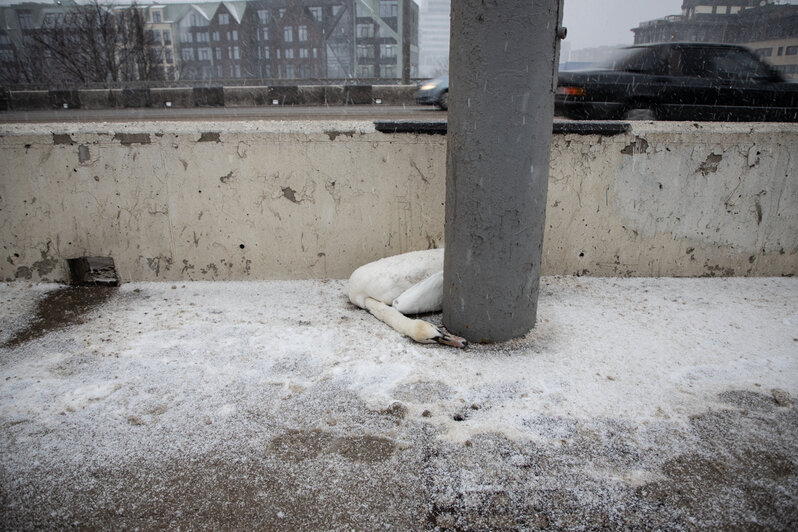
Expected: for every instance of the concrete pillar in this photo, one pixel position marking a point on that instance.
(502, 72)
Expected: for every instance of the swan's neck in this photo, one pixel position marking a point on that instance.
(391, 316)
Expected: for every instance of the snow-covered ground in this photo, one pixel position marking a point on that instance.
(290, 372)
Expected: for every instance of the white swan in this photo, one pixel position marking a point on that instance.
(409, 283)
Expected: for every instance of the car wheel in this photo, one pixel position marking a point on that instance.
(443, 103)
(640, 113)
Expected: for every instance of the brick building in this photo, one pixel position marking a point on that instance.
(298, 39)
(265, 40)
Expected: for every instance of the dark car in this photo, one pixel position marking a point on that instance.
(434, 92)
(679, 81)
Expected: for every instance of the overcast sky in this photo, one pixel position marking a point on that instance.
(606, 22)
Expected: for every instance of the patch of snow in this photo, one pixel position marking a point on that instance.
(208, 358)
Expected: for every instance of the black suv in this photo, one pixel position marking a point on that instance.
(679, 81)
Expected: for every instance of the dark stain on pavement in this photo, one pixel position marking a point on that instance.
(60, 309)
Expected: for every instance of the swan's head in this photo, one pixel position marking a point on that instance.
(426, 333)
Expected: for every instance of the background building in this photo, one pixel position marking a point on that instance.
(765, 26)
(263, 40)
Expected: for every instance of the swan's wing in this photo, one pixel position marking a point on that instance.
(386, 279)
(426, 296)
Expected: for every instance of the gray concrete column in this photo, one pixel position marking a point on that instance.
(502, 73)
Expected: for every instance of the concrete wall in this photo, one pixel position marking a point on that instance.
(272, 200)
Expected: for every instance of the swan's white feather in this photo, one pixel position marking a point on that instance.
(387, 279)
(426, 296)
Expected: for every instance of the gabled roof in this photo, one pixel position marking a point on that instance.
(236, 9)
(206, 9)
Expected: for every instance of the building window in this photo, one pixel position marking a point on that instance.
(303, 33)
(263, 16)
(6, 55)
(195, 20)
(265, 33)
(219, 54)
(224, 19)
(25, 20)
(4, 38)
(282, 13)
(156, 17)
(289, 72)
(169, 56)
(388, 71)
(167, 37)
(315, 53)
(215, 35)
(387, 50)
(235, 35)
(303, 53)
(289, 53)
(219, 72)
(365, 30)
(365, 51)
(365, 71)
(764, 52)
(266, 52)
(288, 34)
(316, 12)
(791, 50)
(304, 71)
(203, 36)
(186, 37)
(204, 54)
(236, 54)
(187, 54)
(389, 8)
(237, 70)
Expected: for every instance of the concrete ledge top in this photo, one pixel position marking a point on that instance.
(386, 126)
(191, 127)
(177, 395)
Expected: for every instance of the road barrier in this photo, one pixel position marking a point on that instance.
(315, 199)
(218, 96)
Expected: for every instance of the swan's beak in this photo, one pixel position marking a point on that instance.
(452, 340)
